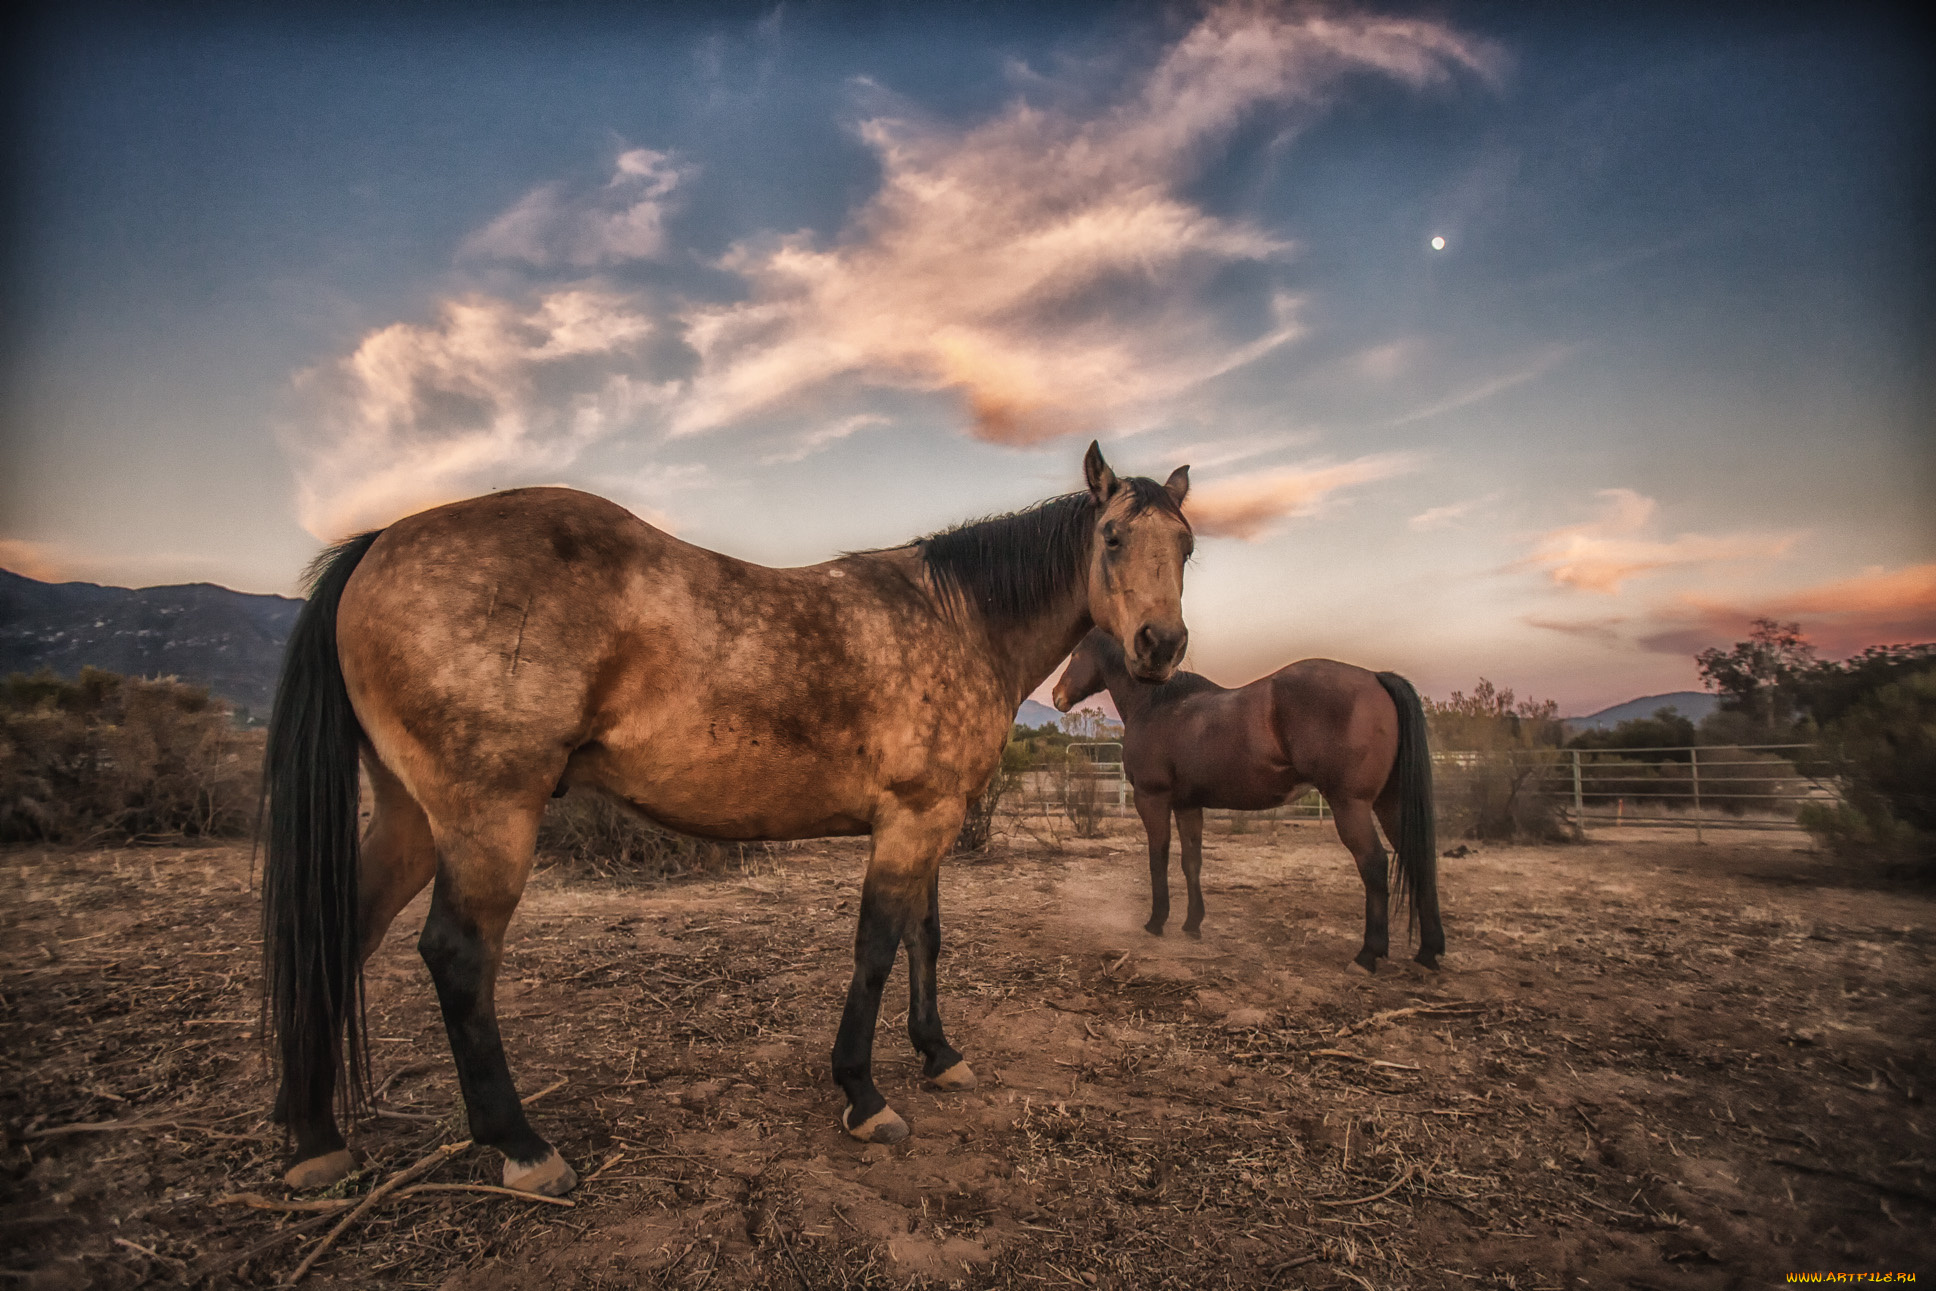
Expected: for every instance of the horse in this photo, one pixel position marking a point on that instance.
(1357, 736)
(481, 656)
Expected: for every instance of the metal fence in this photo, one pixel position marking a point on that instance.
(1724, 787)
(1721, 787)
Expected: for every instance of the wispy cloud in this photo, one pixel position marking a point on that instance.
(1450, 513)
(1485, 390)
(1047, 265)
(1613, 548)
(1876, 607)
(420, 414)
(1253, 506)
(815, 441)
(1600, 629)
(555, 225)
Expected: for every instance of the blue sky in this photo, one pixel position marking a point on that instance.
(792, 280)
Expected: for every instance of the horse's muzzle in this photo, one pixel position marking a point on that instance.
(1157, 651)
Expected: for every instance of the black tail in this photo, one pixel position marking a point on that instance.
(1417, 841)
(312, 978)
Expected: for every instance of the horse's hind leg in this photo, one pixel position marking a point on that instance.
(398, 858)
(1358, 830)
(1431, 931)
(481, 870)
(1155, 810)
(941, 1063)
(1189, 829)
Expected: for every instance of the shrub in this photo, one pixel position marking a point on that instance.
(592, 831)
(978, 828)
(1884, 751)
(106, 758)
(1499, 797)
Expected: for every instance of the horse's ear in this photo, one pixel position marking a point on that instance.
(1178, 484)
(1102, 481)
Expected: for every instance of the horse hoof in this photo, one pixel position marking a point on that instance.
(549, 1175)
(959, 1076)
(1427, 958)
(1367, 961)
(1188, 931)
(882, 1127)
(1153, 928)
(319, 1172)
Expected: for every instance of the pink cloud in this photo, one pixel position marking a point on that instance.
(1603, 553)
(1253, 506)
(418, 415)
(623, 220)
(1047, 266)
(1875, 607)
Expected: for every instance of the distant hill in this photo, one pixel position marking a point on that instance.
(1691, 704)
(230, 642)
(1035, 713)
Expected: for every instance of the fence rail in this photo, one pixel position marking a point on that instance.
(1698, 787)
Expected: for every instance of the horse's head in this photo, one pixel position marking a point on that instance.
(1136, 563)
(1085, 674)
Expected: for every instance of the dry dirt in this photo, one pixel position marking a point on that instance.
(1648, 1064)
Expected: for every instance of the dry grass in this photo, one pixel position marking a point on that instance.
(1653, 1065)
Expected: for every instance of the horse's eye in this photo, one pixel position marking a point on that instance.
(1111, 539)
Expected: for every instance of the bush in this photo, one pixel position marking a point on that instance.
(978, 828)
(592, 831)
(1884, 751)
(106, 758)
(1499, 797)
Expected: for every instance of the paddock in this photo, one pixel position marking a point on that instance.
(1647, 1062)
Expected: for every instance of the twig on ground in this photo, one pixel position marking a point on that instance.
(1400, 1182)
(422, 1166)
(414, 1189)
(1358, 1057)
(256, 1201)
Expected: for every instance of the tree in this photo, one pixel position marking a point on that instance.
(1491, 718)
(1762, 675)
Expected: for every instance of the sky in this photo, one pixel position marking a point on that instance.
(1548, 344)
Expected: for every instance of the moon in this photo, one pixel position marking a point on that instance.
(1438, 244)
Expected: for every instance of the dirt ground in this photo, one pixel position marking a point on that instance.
(1645, 1064)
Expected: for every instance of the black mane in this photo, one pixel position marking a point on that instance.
(1013, 567)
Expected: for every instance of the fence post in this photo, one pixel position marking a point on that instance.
(1694, 766)
(1579, 802)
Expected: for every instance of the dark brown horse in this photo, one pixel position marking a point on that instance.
(481, 655)
(1358, 737)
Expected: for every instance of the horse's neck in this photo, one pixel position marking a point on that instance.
(1132, 697)
(1026, 653)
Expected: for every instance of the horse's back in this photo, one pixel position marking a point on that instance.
(498, 639)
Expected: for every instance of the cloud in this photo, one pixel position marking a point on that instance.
(819, 440)
(1251, 507)
(420, 414)
(1603, 553)
(1440, 517)
(551, 225)
(1601, 629)
(1487, 389)
(1047, 266)
(1875, 607)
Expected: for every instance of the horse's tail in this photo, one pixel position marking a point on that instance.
(1417, 842)
(312, 974)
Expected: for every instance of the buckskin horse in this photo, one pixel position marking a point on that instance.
(1358, 737)
(481, 655)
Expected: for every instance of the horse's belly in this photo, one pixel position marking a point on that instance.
(744, 795)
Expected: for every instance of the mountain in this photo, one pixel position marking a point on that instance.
(1034, 713)
(1691, 704)
(230, 642)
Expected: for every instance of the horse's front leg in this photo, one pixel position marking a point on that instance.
(1189, 828)
(941, 1063)
(899, 905)
(1154, 808)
